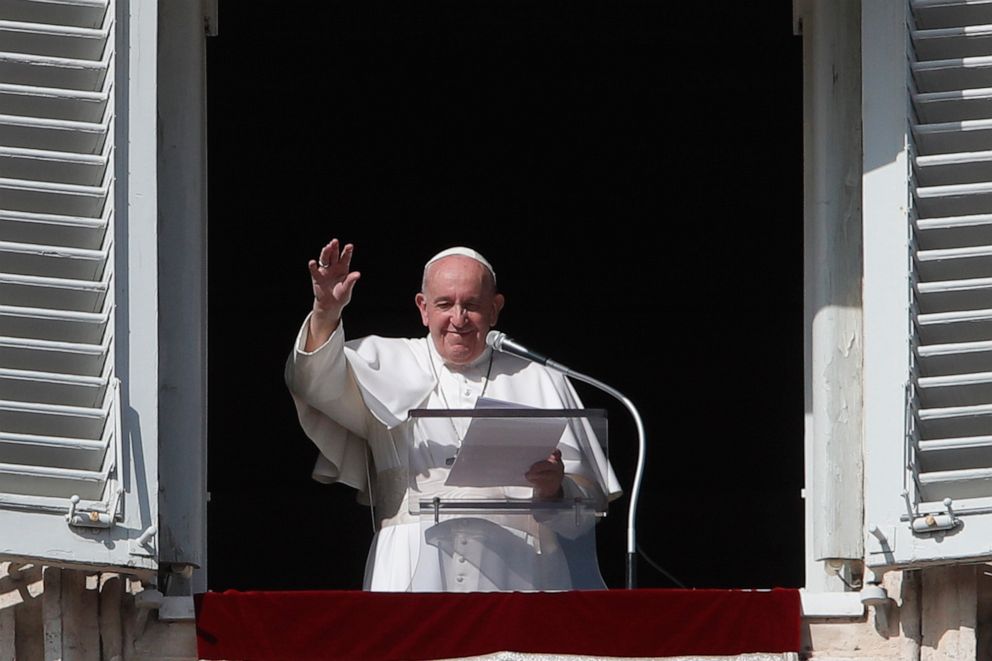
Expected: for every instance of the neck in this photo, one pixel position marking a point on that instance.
(478, 362)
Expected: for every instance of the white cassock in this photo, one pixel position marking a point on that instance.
(353, 399)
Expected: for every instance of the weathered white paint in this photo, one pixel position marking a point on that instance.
(137, 284)
(832, 147)
(885, 199)
(821, 604)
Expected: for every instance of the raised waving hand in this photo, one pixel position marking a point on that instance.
(333, 282)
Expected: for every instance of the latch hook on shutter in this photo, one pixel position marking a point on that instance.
(933, 522)
(93, 518)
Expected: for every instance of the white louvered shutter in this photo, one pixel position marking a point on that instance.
(929, 456)
(66, 493)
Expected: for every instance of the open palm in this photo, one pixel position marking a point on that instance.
(333, 281)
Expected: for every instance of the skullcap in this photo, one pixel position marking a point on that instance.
(464, 252)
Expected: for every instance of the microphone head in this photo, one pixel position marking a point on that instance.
(495, 339)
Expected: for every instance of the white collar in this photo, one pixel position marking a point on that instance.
(479, 363)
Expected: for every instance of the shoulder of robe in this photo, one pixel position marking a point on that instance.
(374, 351)
(538, 381)
(510, 365)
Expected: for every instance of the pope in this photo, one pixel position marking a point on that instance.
(353, 400)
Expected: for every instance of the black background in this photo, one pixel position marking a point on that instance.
(633, 170)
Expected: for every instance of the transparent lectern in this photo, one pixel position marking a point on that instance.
(482, 528)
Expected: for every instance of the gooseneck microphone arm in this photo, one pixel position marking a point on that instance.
(500, 342)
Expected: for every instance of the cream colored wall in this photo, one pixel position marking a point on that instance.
(49, 613)
(935, 614)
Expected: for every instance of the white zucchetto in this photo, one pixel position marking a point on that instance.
(464, 252)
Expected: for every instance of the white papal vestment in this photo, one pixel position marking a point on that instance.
(353, 400)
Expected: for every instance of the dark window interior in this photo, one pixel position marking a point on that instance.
(633, 170)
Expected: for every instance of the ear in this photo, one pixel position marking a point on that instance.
(421, 301)
(498, 301)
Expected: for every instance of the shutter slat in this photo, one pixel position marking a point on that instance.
(52, 387)
(955, 389)
(966, 483)
(959, 358)
(79, 13)
(23, 194)
(64, 41)
(23, 479)
(54, 261)
(56, 325)
(53, 451)
(44, 355)
(955, 421)
(954, 231)
(951, 106)
(955, 454)
(54, 103)
(52, 420)
(944, 169)
(49, 228)
(955, 327)
(83, 137)
(938, 297)
(954, 264)
(935, 14)
(53, 293)
(48, 71)
(53, 166)
(955, 42)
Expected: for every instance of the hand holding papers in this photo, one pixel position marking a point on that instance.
(498, 452)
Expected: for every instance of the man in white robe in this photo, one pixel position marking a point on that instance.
(353, 400)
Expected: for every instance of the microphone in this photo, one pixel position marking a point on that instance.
(500, 342)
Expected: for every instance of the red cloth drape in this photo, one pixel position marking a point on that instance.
(368, 625)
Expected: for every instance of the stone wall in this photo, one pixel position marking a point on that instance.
(50, 613)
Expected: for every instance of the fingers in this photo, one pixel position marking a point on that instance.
(544, 470)
(332, 260)
(343, 289)
(329, 254)
(546, 476)
(346, 256)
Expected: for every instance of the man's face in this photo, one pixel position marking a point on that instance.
(459, 305)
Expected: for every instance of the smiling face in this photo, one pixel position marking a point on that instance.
(459, 305)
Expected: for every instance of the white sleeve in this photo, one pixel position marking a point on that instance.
(330, 408)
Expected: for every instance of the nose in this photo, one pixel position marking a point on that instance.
(459, 315)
